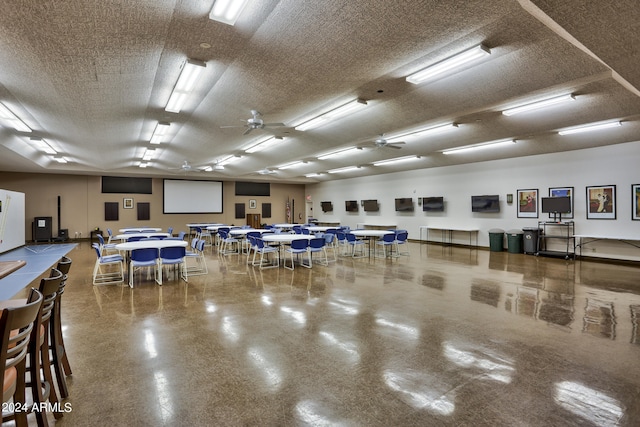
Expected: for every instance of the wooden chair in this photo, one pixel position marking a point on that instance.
(59, 358)
(13, 352)
(41, 379)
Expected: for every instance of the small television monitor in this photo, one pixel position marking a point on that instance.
(556, 204)
(370, 205)
(326, 206)
(404, 204)
(486, 203)
(351, 205)
(433, 204)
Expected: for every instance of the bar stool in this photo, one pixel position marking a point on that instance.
(13, 352)
(39, 367)
(59, 357)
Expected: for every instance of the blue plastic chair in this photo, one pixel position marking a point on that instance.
(298, 246)
(387, 241)
(108, 262)
(354, 243)
(264, 249)
(317, 246)
(173, 255)
(143, 258)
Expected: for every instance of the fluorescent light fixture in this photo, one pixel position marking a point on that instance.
(207, 169)
(264, 144)
(395, 160)
(538, 104)
(346, 169)
(227, 11)
(185, 84)
(341, 111)
(342, 152)
(12, 120)
(149, 153)
(143, 164)
(229, 159)
(43, 145)
(160, 131)
(313, 175)
(292, 164)
(60, 159)
(455, 61)
(427, 131)
(589, 128)
(491, 144)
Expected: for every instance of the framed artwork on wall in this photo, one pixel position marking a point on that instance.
(601, 202)
(562, 192)
(635, 202)
(127, 204)
(527, 203)
(253, 204)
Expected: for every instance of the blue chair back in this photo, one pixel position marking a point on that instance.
(96, 248)
(299, 244)
(200, 245)
(305, 231)
(328, 238)
(170, 230)
(135, 239)
(172, 252)
(389, 238)
(351, 237)
(109, 232)
(144, 254)
(100, 239)
(316, 243)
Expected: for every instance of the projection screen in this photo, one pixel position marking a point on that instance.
(184, 196)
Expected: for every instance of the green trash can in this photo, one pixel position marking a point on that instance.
(514, 241)
(496, 240)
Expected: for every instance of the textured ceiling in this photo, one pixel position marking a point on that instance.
(93, 79)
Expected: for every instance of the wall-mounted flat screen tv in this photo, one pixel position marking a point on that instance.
(404, 205)
(556, 204)
(326, 206)
(486, 203)
(370, 205)
(351, 205)
(433, 204)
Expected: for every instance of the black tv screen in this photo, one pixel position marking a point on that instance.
(556, 204)
(485, 203)
(351, 205)
(326, 206)
(433, 204)
(370, 205)
(404, 205)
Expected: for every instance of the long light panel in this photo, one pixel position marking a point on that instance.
(481, 146)
(422, 132)
(538, 104)
(159, 132)
(450, 63)
(341, 111)
(340, 153)
(227, 11)
(11, 120)
(345, 169)
(395, 160)
(264, 144)
(185, 84)
(43, 145)
(591, 127)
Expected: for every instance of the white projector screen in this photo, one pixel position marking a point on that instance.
(184, 196)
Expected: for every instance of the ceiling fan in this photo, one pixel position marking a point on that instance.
(255, 122)
(187, 167)
(266, 171)
(381, 142)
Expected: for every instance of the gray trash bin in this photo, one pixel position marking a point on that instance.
(496, 240)
(530, 240)
(514, 241)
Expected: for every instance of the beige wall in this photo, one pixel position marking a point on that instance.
(82, 203)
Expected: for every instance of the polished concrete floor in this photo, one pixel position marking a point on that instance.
(443, 337)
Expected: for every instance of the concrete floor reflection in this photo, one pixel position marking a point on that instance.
(445, 336)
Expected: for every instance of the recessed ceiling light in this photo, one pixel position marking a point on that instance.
(205, 45)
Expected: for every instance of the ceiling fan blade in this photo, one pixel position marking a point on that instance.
(274, 124)
(397, 147)
(222, 127)
(396, 143)
(246, 132)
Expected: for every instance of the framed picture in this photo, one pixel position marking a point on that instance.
(527, 203)
(562, 192)
(252, 204)
(127, 204)
(601, 202)
(635, 202)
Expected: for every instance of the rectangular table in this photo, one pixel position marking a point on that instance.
(446, 234)
(581, 240)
